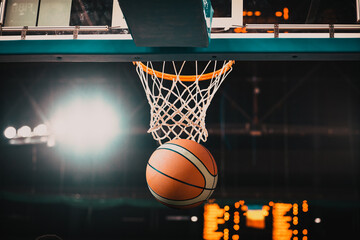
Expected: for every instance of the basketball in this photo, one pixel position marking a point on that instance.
(181, 174)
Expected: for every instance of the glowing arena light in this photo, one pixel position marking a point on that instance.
(87, 124)
(194, 218)
(10, 132)
(24, 131)
(41, 130)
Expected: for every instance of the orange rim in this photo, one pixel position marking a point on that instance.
(186, 78)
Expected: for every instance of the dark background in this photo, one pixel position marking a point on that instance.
(308, 149)
(307, 114)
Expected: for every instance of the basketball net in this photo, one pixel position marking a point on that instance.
(179, 102)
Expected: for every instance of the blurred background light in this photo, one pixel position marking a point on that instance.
(41, 130)
(51, 141)
(194, 218)
(24, 131)
(10, 132)
(86, 123)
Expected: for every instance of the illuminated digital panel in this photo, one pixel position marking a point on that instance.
(213, 217)
(284, 14)
(275, 220)
(281, 221)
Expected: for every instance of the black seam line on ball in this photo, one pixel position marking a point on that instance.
(172, 150)
(213, 164)
(212, 160)
(179, 180)
(193, 155)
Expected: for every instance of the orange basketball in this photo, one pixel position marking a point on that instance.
(181, 174)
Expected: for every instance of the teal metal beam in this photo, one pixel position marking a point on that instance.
(269, 49)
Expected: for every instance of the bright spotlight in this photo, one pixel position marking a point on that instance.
(24, 131)
(87, 124)
(317, 220)
(194, 218)
(41, 130)
(10, 132)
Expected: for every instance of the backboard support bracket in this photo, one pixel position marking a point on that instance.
(76, 32)
(23, 32)
(276, 30)
(331, 30)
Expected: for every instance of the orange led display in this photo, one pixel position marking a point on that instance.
(265, 210)
(251, 13)
(295, 220)
(212, 218)
(255, 219)
(226, 216)
(305, 206)
(239, 30)
(236, 217)
(286, 13)
(226, 234)
(225, 223)
(281, 225)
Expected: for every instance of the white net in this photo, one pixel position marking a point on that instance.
(179, 102)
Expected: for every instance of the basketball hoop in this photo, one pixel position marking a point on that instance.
(179, 102)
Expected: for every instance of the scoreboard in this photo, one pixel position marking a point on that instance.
(273, 220)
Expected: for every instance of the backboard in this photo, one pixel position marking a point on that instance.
(227, 13)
